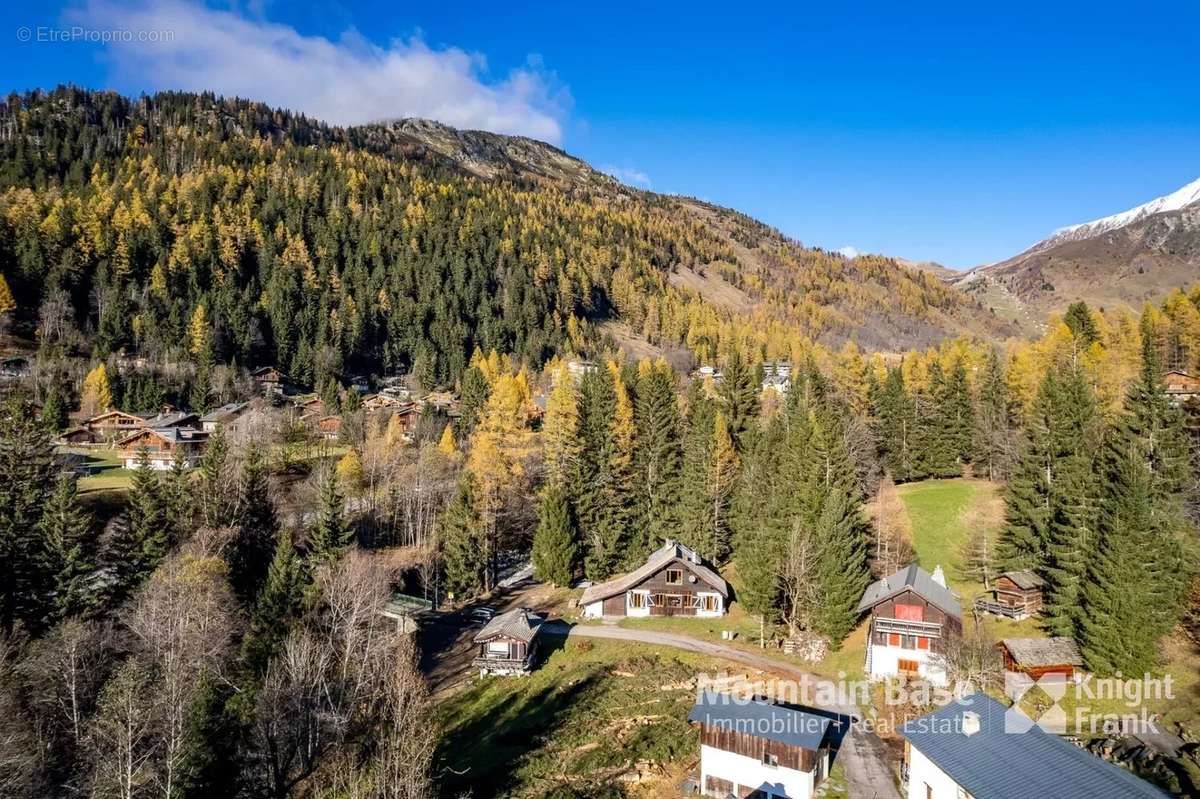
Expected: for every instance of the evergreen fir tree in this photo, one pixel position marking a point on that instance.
(841, 533)
(896, 429)
(994, 443)
(26, 480)
(554, 544)
(1083, 327)
(330, 534)
(561, 443)
(694, 505)
(759, 520)
(278, 606)
(54, 409)
(212, 492)
(738, 394)
(148, 518)
(257, 529)
(66, 530)
(1071, 545)
(959, 413)
(462, 538)
(659, 457)
(474, 395)
(713, 540)
(935, 428)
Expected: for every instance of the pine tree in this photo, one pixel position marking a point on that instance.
(842, 544)
(554, 544)
(144, 537)
(256, 531)
(330, 535)
(959, 412)
(738, 395)
(714, 539)
(760, 521)
(600, 512)
(659, 457)
(1083, 327)
(461, 532)
(994, 443)
(474, 393)
(935, 429)
(54, 410)
(66, 530)
(1072, 542)
(277, 607)
(26, 479)
(695, 506)
(896, 429)
(213, 490)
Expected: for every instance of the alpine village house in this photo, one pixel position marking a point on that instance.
(508, 643)
(913, 614)
(674, 581)
(976, 748)
(754, 747)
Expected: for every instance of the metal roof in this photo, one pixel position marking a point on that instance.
(995, 764)
(671, 551)
(920, 582)
(520, 623)
(761, 719)
(228, 409)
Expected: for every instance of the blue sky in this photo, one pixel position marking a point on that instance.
(955, 132)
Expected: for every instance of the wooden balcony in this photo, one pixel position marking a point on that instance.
(1002, 609)
(925, 629)
(502, 664)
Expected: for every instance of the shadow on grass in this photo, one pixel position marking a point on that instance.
(481, 753)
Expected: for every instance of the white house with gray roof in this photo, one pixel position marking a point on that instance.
(913, 616)
(966, 751)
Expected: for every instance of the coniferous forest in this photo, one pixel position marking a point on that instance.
(217, 630)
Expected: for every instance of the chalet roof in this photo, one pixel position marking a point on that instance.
(1024, 580)
(919, 581)
(521, 624)
(113, 412)
(995, 763)
(761, 719)
(173, 419)
(672, 550)
(1037, 652)
(172, 435)
(224, 412)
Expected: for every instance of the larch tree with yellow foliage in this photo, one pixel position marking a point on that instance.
(97, 393)
(499, 449)
(561, 444)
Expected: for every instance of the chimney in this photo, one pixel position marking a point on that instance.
(938, 576)
(970, 723)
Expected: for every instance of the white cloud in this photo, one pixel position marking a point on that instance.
(849, 252)
(627, 175)
(347, 81)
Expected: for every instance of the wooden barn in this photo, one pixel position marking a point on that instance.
(508, 643)
(1016, 595)
(1039, 657)
(674, 581)
(753, 747)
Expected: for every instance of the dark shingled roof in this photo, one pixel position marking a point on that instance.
(761, 719)
(994, 764)
(670, 551)
(1024, 580)
(915, 578)
(1037, 652)
(520, 624)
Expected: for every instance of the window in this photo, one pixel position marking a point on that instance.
(770, 759)
(893, 639)
(708, 602)
(637, 600)
(922, 642)
(907, 666)
(497, 650)
(674, 601)
(674, 577)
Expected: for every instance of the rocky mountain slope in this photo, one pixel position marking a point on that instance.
(1128, 258)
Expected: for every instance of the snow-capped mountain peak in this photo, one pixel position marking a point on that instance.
(1186, 196)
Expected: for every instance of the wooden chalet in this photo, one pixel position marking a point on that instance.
(223, 417)
(508, 643)
(311, 407)
(114, 424)
(1180, 387)
(913, 614)
(75, 437)
(753, 747)
(269, 380)
(384, 401)
(1016, 595)
(1041, 657)
(161, 446)
(329, 427)
(674, 581)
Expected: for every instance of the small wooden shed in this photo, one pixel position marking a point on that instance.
(1041, 657)
(1016, 595)
(508, 643)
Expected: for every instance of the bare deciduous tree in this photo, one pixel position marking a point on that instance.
(892, 545)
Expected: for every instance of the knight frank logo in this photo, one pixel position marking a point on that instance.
(1051, 688)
